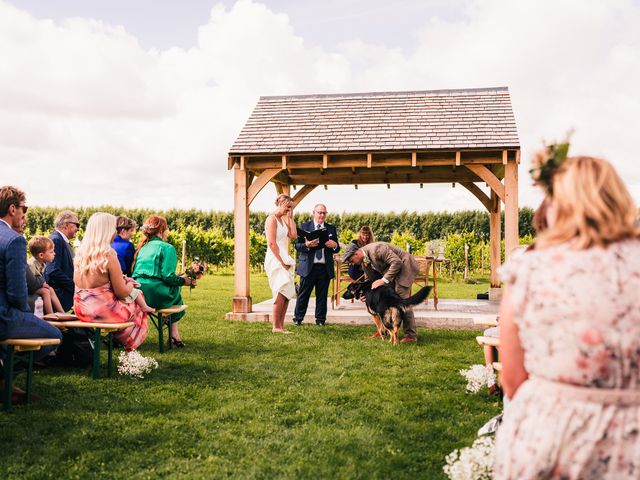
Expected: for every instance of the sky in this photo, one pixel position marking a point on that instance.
(136, 104)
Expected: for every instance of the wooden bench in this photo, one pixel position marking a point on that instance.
(99, 328)
(18, 345)
(486, 321)
(341, 280)
(488, 341)
(497, 366)
(162, 317)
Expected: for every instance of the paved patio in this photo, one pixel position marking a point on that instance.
(451, 313)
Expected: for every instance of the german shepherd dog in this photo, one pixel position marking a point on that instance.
(387, 308)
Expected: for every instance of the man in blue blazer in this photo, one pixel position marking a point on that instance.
(315, 267)
(59, 273)
(16, 320)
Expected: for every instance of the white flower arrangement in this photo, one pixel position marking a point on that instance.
(134, 364)
(479, 376)
(471, 463)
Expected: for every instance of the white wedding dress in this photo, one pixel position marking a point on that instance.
(280, 279)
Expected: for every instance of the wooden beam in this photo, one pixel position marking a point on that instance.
(487, 175)
(242, 162)
(259, 183)
(368, 160)
(458, 159)
(284, 162)
(242, 296)
(505, 157)
(479, 194)
(414, 159)
(494, 239)
(304, 191)
(325, 161)
(511, 239)
(518, 156)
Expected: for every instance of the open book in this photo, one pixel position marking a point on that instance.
(322, 234)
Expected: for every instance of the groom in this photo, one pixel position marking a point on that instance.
(315, 267)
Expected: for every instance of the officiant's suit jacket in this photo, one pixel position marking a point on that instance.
(391, 262)
(305, 261)
(59, 273)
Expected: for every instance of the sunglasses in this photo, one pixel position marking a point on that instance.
(23, 207)
(75, 223)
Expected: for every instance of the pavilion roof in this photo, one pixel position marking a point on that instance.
(478, 118)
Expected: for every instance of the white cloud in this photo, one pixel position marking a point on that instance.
(90, 117)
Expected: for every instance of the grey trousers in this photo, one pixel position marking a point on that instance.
(409, 325)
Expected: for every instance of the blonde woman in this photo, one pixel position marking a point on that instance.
(102, 292)
(570, 333)
(278, 263)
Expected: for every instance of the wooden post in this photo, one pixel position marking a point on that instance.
(466, 261)
(511, 239)
(184, 254)
(242, 297)
(494, 240)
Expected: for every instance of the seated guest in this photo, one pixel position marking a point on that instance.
(155, 269)
(59, 273)
(16, 321)
(42, 252)
(101, 289)
(365, 237)
(122, 243)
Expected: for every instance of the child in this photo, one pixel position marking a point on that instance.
(122, 243)
(42, 252)
(135, 296)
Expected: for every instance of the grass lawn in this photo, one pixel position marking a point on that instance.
(241, 402)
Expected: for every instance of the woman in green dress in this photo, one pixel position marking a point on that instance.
(155, 270)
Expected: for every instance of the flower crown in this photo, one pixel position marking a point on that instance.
(546, 163)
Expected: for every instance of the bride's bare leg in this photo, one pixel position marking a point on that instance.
(275, 312)
(283, 312)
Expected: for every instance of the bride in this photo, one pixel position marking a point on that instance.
(277, 262)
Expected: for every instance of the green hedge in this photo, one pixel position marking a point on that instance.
(209, 235)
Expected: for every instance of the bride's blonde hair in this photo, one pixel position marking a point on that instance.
(592, 205)
(91, 256)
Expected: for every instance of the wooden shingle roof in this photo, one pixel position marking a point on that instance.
(420, 120)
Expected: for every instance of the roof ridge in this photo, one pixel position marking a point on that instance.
(389, 93)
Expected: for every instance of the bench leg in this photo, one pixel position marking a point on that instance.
(96, 354)
(29, 376)
(161, 333)
(169, 321)
(109, 354)
(8, 377)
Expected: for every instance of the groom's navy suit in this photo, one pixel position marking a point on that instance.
(16, 320)
(59, 273)
(314, 275)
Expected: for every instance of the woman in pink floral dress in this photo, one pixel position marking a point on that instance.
(570, 336)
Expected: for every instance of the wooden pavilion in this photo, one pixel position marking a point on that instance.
(465, 136)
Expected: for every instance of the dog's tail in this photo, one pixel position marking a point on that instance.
(419, 297)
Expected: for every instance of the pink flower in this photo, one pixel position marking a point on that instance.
(591, 337)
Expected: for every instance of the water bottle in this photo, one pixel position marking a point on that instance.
(38, 311)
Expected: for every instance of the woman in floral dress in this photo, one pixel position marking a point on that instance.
(570, 334)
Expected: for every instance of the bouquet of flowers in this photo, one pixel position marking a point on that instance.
(132, 363)
(479, 376)
(471, 463)
(195, 271)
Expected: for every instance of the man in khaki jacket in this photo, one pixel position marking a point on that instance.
(397, 268)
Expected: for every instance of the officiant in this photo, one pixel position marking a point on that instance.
(315, 265)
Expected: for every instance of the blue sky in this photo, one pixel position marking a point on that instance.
(136, 103)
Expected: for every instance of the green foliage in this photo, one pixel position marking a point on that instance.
(416, 246)
(209, 235)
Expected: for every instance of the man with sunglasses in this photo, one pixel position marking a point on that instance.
(315, 266)
(16, 319)
(59, 273)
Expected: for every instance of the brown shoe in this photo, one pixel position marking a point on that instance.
(409, 340)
